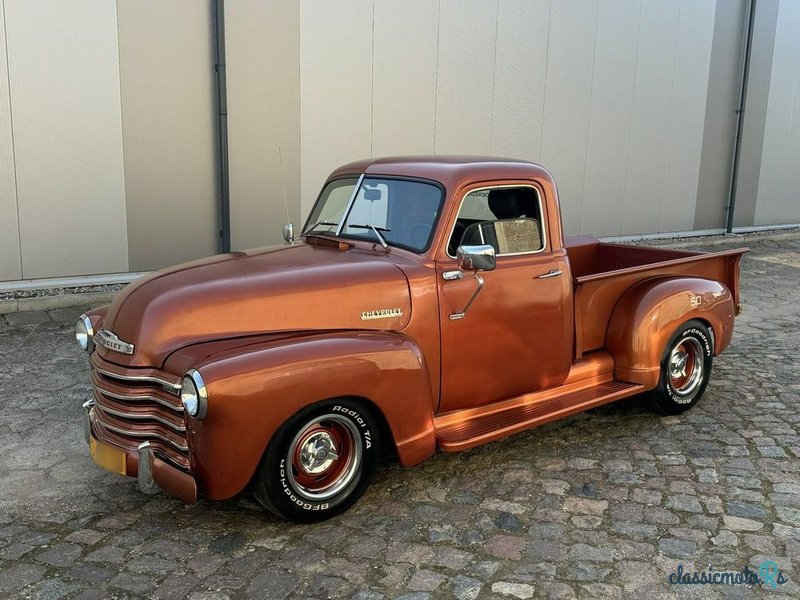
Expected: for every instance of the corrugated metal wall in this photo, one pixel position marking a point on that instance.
(63, 85)
(779, 178)
(107, 114)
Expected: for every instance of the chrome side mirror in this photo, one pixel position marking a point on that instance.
(288, 233)
(476, 258)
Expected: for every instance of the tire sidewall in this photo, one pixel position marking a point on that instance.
(700, 332)
(283, 497)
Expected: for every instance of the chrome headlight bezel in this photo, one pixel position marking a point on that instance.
(84, 333)
(194, 396)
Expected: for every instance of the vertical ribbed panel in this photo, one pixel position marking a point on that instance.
(10, 266)
(65, 105)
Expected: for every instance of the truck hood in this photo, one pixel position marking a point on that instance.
(274, 289)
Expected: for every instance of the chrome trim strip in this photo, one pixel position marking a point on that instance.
(144, 434)
(137, 398)
(159, 381)
(144, 476)
(139, 417)
(202, 394)
(349, 206)
(87, 323)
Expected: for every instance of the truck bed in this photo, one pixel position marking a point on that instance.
(602, 272)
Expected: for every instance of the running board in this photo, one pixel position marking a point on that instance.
(465, 429)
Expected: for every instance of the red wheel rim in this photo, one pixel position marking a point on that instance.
(685, 366)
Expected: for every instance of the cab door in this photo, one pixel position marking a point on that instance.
(516, 336)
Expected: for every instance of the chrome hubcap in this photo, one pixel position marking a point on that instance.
(324, 457)
(318, 452)
(686, 366)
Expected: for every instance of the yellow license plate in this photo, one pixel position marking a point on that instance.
(107, 457)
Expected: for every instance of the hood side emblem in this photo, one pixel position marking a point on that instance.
(383, 313)
(108, 339)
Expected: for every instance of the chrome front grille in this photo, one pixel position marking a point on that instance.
(134, 406)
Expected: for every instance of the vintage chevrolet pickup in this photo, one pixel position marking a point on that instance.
(429, 302)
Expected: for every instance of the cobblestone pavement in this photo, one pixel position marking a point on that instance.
(603, 504)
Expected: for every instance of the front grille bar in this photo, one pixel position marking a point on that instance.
(140, 398)
(173, 387)
(143, 435)
(139, 416)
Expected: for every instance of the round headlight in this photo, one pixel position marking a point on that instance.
(193, 395)
(84, 332)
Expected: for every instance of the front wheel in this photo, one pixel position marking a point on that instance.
(685, 368)
(319, 463)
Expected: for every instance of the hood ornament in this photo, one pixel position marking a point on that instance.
(109, 340)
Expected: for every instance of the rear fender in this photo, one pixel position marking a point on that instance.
(649, 312)
(255, 390)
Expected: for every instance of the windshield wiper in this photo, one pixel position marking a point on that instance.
(376, 230)
(317, 224)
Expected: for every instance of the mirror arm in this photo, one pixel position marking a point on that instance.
(460, 315)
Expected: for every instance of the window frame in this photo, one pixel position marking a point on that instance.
(542, 224)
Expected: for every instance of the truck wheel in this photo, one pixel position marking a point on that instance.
(319, 463)
(685, 368)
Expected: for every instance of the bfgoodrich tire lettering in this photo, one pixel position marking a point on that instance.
(685, 368)
(320, 462)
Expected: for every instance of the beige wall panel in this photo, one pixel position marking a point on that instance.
(567, 101)
(262, 47)
(64, 78)
(719, 128)
(609, 116)
(465, 76)
(779, 182)
(519, 78)
(10, 261)
(755, 112)
(687, 114)
(404, 77)
(166, 74)
(335, 89)
(652, 96)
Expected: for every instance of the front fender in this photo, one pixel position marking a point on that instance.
(254, 390)
(649, 313)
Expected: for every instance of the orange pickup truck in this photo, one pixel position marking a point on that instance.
(429, 302)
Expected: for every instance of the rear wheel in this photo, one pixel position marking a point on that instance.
(320, 462)
(685, 368)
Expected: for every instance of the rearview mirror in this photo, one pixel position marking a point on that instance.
(372, 194)
(476, 258)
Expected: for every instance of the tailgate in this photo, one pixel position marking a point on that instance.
(597, 292)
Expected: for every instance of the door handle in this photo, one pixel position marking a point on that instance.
(452, 275)
(550, 273)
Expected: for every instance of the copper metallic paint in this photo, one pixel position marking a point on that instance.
(253, 391)
(274, 330)
(651, 311)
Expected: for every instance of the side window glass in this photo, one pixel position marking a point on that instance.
(509, 219)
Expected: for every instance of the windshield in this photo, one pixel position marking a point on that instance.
(392, 212)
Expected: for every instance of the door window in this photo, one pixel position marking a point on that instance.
(506, 218)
